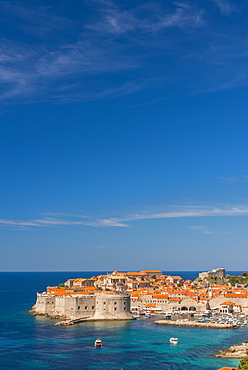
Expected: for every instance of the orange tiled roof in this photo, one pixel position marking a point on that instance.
(160, 296)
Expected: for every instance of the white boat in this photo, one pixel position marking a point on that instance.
(174, 340)
(135, 315)
(98, 343)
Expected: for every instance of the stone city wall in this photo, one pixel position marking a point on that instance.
(97, 306)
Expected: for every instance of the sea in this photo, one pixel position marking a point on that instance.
(34, 342)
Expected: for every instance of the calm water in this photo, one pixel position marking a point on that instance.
(28, 342)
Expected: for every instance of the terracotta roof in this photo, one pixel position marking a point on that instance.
(160, 296)
(153, 271)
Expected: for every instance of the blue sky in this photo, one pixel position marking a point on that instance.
(124, 135)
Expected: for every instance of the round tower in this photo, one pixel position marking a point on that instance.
(112, 306)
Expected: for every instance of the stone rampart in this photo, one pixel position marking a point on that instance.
(96, 306)
(112, 306)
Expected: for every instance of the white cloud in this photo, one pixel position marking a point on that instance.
(202, 229)
(116, 21)
(192, 211)
(225, 6)
(118, 44)
(234, 179)
(177, 212)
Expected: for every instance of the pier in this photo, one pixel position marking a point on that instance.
(195, 324)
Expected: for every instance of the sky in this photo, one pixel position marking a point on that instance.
(123, 135)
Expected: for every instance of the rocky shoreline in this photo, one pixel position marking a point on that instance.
(238, 351)
(195, 324)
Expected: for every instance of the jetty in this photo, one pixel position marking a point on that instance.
(196, 324)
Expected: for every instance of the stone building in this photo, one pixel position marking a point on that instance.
(219, 273)
(93, 306)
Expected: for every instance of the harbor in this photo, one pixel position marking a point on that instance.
(207, 320)
(196, 324)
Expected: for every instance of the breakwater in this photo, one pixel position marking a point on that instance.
(195, 324)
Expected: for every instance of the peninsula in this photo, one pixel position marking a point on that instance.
(116, 295)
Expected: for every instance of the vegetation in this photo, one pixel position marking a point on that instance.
(61, 285)
(243, 364)
(228, 280)
(233, 279)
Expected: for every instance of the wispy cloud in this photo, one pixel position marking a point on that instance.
(192, 211)
(234, 179)
(225, 6)
(62, 69)
(202, 229)
(53, 222)
(119, 44)
(186, 211)
(116, 21)
(39, 20)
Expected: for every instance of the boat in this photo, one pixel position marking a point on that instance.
(135, 315)
(98, 343)
(174, 340)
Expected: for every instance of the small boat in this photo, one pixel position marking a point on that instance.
(135, 315)
(98, 343)
(174, 340)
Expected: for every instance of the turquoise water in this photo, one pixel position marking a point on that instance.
(28, 342)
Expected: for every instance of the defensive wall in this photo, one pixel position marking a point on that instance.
(94, 306)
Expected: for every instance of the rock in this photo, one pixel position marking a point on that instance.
(235, 351)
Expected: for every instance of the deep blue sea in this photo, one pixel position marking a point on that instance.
(32, 342)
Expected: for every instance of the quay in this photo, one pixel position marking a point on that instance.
(195, 324)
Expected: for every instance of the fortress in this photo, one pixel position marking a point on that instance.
(114, 296)
(94, 306)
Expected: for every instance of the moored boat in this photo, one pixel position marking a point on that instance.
(174, 340)
(98, 343)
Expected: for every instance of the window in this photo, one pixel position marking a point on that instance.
(124, 308)
(78, 307)
(85, 307)
(93, 307)
(115, 308)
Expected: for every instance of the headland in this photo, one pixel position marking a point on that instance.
(118, 295)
